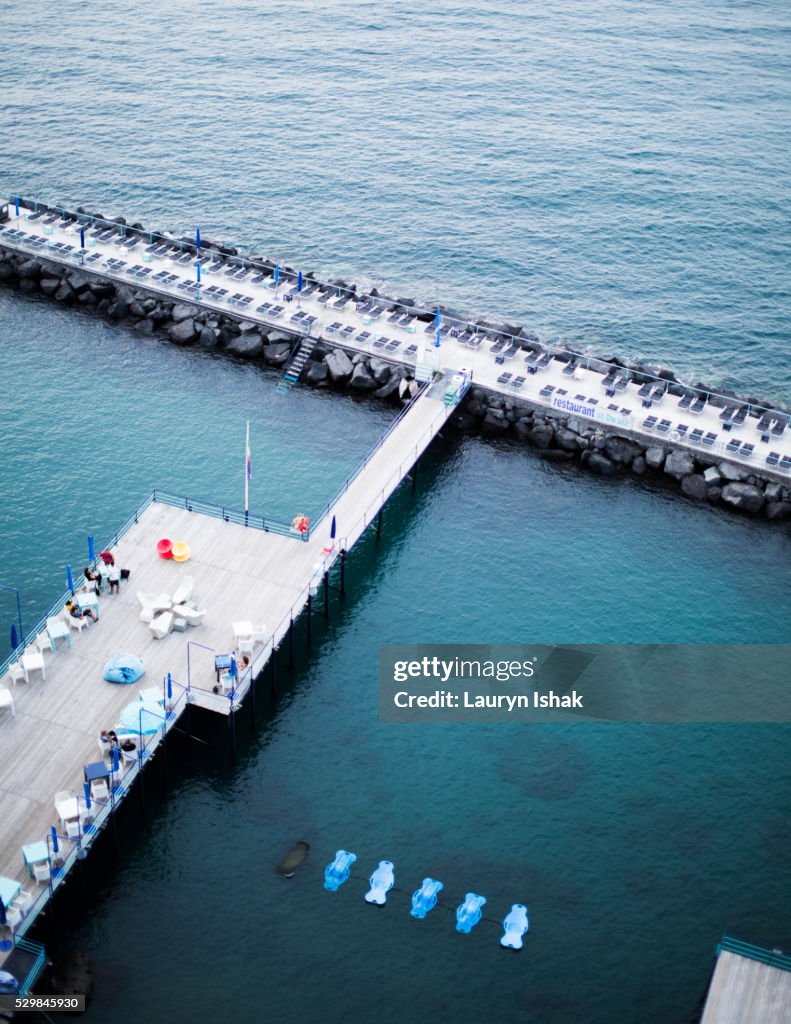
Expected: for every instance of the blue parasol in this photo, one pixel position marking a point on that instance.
(198, 269)
(16, 204)
(299, 281)
(91, 551)
(143, 717)
(54, 833)
(437, 318)
(277, 275)
(170, 688)
(332, 529)
(86, 787)
(82, 238)
(69, 578)
(197, 238)
(436, 343)
(14, 637)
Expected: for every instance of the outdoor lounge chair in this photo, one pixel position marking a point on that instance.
(154, 602)
(773, 459)
(161, 625)
(664, 426)
(747, 451)
(183, 591)
(100, 790)
(685, 402)
(41, 872)
(649, 423)
(733, 446)
(785, 462)
(192, 616)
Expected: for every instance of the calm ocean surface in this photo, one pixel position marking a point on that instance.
(614, 174)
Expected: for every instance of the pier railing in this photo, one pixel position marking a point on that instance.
(230, 515)
(771, 957)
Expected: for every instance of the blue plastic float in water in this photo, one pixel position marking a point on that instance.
(381, 881)
(515, 925)
(335, 874)
(424, 899)
(123, 668)
(469, 913)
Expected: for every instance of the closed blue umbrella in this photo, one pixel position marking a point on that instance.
(54, 833)
(332, 529)
(299, 281)
(91, 550)
(437, 318)
(197, 238)
(86, 788)
(436, 343)
(82, 238)
(5, 944)
(14, 637)
(69, 578)
(16, 204)
(277, 274)
(170, 688)
(198, 269)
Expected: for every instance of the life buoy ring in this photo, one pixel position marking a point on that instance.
(300, 524)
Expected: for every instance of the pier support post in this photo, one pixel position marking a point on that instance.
(252, 702)
(273, 681)
(310, 618)
(343, 572)
(379, 524)
(327, 595)
(291, 645)
(414, 478)
(232, 733)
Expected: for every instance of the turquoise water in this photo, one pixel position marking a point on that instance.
(616, 175)
(635, 847)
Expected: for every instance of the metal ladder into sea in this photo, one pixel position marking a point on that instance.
(296, 363)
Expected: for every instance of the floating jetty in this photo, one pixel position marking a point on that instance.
(717, 446)
(750, 985)
(252, 575)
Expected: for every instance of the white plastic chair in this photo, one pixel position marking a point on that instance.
(41, 872)
(16, 673)
(246, 645)
(75, 623)
(23, 901)
(7, 701)
(87, 814)
(73, 828)
(259, 633)
(99, 790)
(13, 917)
(44, 642)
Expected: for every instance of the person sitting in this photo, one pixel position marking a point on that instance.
(79, 613)
(93, 582)
(114, 578)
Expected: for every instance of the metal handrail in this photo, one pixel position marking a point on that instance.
(771, 957)
(40, 955)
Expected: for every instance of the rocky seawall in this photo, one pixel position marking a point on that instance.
(558, 438)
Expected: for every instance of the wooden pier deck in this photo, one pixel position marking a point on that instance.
(240, 573)
(751, 986)
(580, 394)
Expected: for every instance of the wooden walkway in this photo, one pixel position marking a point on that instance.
(746, 991)
(240, 574)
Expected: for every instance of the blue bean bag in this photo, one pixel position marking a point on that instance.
(123, 668)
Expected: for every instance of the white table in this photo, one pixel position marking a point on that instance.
(88, 601)
(59, 631)
(242, 631)
(68, 810)
(31, 661)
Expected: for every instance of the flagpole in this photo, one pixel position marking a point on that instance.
(247, 470)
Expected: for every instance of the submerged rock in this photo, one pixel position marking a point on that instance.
(294, 859)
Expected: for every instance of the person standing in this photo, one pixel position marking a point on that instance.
(114, 578)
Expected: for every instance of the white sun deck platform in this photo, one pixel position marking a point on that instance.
(241, 574)
(581, 394)
(749, 987)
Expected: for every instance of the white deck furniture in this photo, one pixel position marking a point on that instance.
(242, 630)
(33, 661)
(154, 602)
(161, 625)
(183, 592)
(58, 630)
(76, 623)
(41, 872)
(7, 701)
(67, 807)
(44, 642)
(16, 672)
(100, 790)
(84, 601)
(192, 616)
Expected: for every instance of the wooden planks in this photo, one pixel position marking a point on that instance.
(744, 991)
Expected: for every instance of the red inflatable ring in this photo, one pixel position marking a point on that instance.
(165, 548)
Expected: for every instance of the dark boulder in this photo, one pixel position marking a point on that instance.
(64, 293)
(339, 365)
(621, 451)
(567, 439)
(182, 333)
(7, 270)
(555, 455)
(145, 327)
(743, 496)
(540, 434)
(207, 338)
(694, 486)
(778, 510)
(30, 270)
(317, 374)
(102, 289)
(655, 457)
(249, 345)
(379, 369)
(361, 379)
(600, 464)
(183, 311)
(49, 285)
(277, 354)
(679, 463)
(78, 281)
(117, 310)
(494, 423)
(639, 465)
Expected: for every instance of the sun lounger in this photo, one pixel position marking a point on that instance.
(497, 347)
(363, 337)
(504, 378)
(709, 439)
(347, 331)
(785, 462)
(161, 625)
(733, 446)
(547, 390)
(664, 426)
(685, 402)
(649, 423)
(696, 436)
(747, 451)
(393, 345)
(740, 416)
(570, 369)
(334, 327)
(411, 351)
(698, 405)
(381, 341)
(154, 602)
(773, 459)
(190, 615)
(517, 382)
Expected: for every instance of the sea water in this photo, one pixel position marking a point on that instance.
(614, 175)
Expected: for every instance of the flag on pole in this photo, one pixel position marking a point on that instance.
(248, 469)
